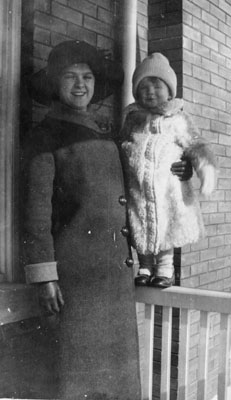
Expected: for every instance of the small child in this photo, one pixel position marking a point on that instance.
(163, 211)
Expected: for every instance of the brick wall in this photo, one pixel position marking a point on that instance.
(206, 86)
(196, 37)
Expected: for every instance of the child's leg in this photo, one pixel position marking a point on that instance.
(145, 269)
(164, 269)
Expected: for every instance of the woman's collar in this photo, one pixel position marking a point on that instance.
(88, 118)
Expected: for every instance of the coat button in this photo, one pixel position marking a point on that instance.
(125, 231)
(122, 200)
(129, 262)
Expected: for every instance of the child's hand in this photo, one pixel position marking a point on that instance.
(183, 169)
(207, 175)
(50, 297)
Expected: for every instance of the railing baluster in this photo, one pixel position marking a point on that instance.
(224, 357)
(183, 354)
(186, 299)
(166, 353)
(148, 352)
(203, 355)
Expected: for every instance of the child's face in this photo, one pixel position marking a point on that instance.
(152, 92)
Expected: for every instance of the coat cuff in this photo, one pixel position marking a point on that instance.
(42, 272)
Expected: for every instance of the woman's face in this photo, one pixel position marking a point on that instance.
(76, 86)
(152, 92)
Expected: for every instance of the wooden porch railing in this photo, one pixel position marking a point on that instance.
(185, 299)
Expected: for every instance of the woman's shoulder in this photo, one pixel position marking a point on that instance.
(41, 138)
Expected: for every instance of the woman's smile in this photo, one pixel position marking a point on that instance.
(76, 86)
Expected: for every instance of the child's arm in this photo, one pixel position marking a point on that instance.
(202, 158)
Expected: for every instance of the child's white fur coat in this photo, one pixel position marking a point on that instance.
(164, 212)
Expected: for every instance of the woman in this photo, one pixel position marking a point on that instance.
(76, 237)
(75, 212)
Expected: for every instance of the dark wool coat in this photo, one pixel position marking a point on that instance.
(74, 217)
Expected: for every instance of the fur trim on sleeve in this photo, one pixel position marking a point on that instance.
(199, 151)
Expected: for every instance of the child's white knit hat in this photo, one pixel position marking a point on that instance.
(155, 65)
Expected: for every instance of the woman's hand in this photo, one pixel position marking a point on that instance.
(50, 297)
(183, 169)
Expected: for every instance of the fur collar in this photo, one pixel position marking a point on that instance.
(167, 109)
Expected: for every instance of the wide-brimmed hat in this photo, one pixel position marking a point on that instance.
(43, 85)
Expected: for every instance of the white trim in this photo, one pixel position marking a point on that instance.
(10, 45)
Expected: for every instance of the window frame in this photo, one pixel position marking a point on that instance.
(10, 54)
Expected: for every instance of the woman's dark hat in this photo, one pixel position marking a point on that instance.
(108, 74)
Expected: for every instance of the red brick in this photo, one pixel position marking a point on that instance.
(210, 19)
(191, 8)
(97, 26)
(217, 35)
(210, 89)
(223, 273)
(192, 282)
(217, 218)
(191, 258)
(225, 50)
(42, 36)
(217, 126)
(201, 49)
(199, 268)
(223, 229)
(216, 264)
(142, 7)
(193, 34)
(209, 65)
(42, 5)
(187, 68)
(211, 137)
(219, 104)
(104, 42)
(218, 81)
(218, 12)
(142, 33)
(85, 7)
(49, 22)
(210, 112)
(219, 59)
(209, 42)
(191, 82)
(187, 18)
(224, 162)
(227, 239)
(107, 4)
(224, 206)
(41, 51)
(142, 20)
(224, 28)
(66, 14)
(225, 6)
(79, 33)
(105, 15)
(225, 117)
(187, 44)
(201, 26)
(201, 73)
(57, 38)
(208, 277)
(216, 241)
(64, 2)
